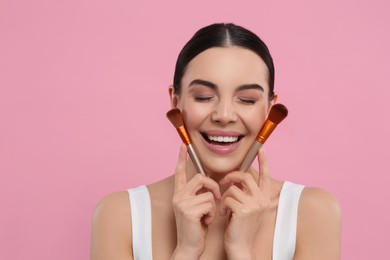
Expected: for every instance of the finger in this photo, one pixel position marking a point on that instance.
(197, 206)
(229, 204)
(237, 194)
(180, 171)
(199, 199)
(205, 211)
(264, 174)
(244, 178)
(210, 216)
(199, 182)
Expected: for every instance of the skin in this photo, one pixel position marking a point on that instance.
(229, 214)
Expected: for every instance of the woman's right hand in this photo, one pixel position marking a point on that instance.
(195, 209)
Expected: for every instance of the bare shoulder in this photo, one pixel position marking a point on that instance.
(115, 199)
(113, 207)
(162, 190)
(111, 228)
(319, 200)
(319, 225)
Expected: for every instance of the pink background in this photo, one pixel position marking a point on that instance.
(83, 96)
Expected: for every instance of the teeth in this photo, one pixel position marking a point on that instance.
(223, 139)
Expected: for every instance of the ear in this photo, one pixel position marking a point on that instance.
(272, 102)
(275, 99)
(173, 97)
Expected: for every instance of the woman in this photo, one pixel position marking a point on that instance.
(224, 86)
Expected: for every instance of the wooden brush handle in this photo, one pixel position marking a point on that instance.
(195, 159)
(250, 156)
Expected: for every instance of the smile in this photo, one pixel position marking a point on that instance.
(221, 139)
(221, 143)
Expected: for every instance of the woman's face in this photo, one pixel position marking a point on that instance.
(224, 102)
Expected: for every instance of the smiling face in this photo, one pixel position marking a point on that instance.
(224, 102)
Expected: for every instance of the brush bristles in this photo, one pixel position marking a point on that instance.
(278, 113)
(174, 115)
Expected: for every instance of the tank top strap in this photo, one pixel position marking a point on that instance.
(141, 223)
(286, 222)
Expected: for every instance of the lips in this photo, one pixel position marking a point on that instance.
(221, 142)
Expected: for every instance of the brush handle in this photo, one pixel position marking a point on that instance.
(195, 159)
(250, 156)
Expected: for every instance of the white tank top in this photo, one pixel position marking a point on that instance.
(284, 234)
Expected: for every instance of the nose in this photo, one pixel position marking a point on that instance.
(224, 113)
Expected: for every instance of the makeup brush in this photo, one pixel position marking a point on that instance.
(174, 115)
(276, 115)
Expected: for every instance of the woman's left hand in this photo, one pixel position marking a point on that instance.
(245, 202)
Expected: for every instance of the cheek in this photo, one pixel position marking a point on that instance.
(255, 119)
(194, 115)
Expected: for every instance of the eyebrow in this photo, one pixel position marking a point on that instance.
(250, 86)
(215, 87)
(203, 83)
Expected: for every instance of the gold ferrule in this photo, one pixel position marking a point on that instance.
(184, 135)
(266, 131)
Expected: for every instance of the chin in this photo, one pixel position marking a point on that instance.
(222, 167)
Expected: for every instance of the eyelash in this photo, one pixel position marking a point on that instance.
(242, 100)
(247, 101)
(202, 99)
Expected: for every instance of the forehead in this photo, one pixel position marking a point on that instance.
(227, 66)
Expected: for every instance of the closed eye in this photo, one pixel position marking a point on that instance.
(202, 99)
(247, 101)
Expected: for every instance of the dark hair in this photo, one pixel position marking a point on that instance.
(223, 35)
